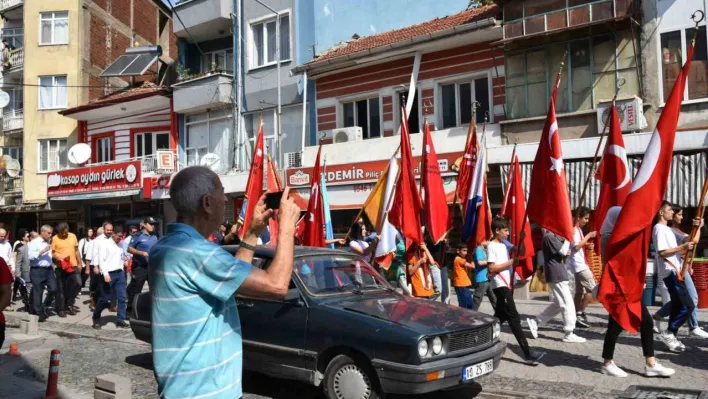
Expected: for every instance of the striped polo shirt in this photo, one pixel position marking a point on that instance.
(196, 333)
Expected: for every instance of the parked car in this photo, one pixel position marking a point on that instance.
(343, 327)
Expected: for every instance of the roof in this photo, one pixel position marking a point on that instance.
(147, 89)
(408, 33)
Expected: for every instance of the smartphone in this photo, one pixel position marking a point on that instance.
(272, 200)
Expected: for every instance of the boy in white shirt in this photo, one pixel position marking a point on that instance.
(498, 262)
(584, 280)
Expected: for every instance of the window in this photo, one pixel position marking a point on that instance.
(457, 100)
(104, 149)
(270, 131)
(15, 36)
(52, 155)
(14, 107)
(147, 144)
(264, 41)
(672, 59)
(54, 27)
(220, 61)
(365, 114)
(592, 69)
(208, 132)
(13, 152)
(52, 92)
(413, 117)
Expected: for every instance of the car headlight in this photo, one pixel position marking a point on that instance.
(423, 348)
(496, 331)
(437, 346)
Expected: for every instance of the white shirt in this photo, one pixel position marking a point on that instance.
(497, 254)
(6, 254)
(35, 247)
(577, 262)
(87, 248)
(110, 256)
(95, 259)
(665, 238)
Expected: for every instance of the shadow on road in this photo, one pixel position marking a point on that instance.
(143, 360)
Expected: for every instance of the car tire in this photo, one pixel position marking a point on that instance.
(346, 378)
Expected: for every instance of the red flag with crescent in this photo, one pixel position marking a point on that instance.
(623, 277)
(254, 186)
(516, 211)
(313, 235)
(549, 202)
(613, 173)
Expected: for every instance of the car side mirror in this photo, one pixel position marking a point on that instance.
(293, 297)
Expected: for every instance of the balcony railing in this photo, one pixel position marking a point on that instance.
(5, 4)
(13, 121)
(11, 185)
(17, 60)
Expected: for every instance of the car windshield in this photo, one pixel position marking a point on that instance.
(324, 275)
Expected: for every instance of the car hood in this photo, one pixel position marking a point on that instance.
(423, 316)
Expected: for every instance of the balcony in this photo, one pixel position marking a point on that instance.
(17, 61)
(13, 121)
(204, 19)
(535, 18)
(11, 9)
(198, 94)
(11, 185)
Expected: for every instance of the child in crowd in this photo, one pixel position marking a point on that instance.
(419, 277)
(481, 278)
(460, 278)
(498, 262)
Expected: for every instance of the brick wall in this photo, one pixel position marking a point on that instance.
(102, 3)
(326, 118)
(145, 19)
(173, 41)
(98, 52)
(96, 89)
(120, 9)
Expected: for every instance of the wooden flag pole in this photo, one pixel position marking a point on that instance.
(509, 176)
(690, 255)
(620, 83)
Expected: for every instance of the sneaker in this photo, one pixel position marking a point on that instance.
(699, 332)
(658, 371)
(61, 314)
(122, 324)
(671, 342)
(71, 311)
(533, 327)
(580, 323)
(43, 318)
(534, 357)
(657, 322)
(96, 325)
(613, 371)
(573, 339)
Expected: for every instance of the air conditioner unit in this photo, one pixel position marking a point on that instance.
(293, 159)
(630, 111)
(347, 134)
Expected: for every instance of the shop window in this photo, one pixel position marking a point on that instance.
(103, 148)
(365, 114)
(222, 61)
(264, 41)
(591, 72)
(54, 28)
(414, 117)
(672, 59)
(147, 144)
(457, 100)
(52, 155)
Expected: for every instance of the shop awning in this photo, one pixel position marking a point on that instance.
(88, 196)
(688, 172)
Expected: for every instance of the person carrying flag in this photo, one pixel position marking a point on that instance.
(584, 280)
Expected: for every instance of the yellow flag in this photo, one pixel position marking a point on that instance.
(373, 207)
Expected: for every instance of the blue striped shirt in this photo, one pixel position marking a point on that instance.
(196, 333)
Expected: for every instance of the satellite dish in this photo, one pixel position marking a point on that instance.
(13, 167)
(4, 99)
(211, 161)
(79, 153)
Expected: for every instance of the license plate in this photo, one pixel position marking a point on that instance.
(477, 370)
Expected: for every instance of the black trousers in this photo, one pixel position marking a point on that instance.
(42, 277)
(72, 286)
(614, 330)
(95, 285)
(506, 312)
(138, 277)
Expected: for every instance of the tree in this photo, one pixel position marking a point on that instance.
(479, 3)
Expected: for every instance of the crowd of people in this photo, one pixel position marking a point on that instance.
(50, 267)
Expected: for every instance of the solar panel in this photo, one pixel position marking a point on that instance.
(136, 61)
(140, 65)
(119, 65)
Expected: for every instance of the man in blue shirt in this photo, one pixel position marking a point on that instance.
(41, 270)
(139, 247)
(196, 332)
(481, 278)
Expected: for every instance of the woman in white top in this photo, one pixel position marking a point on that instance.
(86, 251)
(357, 243)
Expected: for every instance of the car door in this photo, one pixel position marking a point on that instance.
(274, 334)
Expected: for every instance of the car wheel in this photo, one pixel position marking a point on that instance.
(346, 378)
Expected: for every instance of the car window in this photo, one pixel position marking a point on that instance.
(263, 264)
(335, 274)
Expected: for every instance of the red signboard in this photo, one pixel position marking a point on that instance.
(367, 171)
(91, 179)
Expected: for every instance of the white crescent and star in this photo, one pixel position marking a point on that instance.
(557, 163)
(621, 153)
(651, 157)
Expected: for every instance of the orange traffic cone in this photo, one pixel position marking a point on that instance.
(14, 350)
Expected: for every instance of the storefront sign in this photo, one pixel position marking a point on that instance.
(100, 178)
(165, 160)
(157, 187)
(367, 171)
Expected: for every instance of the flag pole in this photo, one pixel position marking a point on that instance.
(593, 165)
(689, 255)
(472, 128)
(522, 234)
(509, 176)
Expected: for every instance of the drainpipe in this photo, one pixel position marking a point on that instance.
(304, 110)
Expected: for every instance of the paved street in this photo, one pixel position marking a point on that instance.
(568, 370)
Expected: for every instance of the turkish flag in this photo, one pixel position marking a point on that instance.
(435, 211)
(406, 209)
(549, 202)
(273, 185)
(624, 274)
(483, 226)
(254, 186)
(466, 173)
(313, 235)
(613, 173)
(516, 211)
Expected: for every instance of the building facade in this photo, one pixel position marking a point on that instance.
(70, 43)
